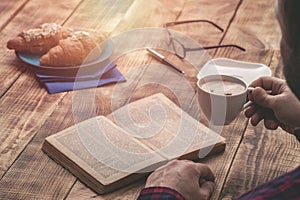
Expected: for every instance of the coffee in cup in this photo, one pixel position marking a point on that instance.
(221, 97)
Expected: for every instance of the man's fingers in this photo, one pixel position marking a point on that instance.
(270, 124)
(249, 112)
(207, 189)
(270, 120)
(267, 82)
(256, 118)
(262, 98)
(205, 172)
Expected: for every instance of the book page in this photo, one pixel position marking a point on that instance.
(136, 138)
(160, 124)
(104, 150)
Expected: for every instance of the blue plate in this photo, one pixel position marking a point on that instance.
(90, 67)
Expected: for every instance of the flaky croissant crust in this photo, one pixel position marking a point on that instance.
(74, 50)
(39, 40)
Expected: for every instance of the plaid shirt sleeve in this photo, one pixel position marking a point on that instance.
(156, 193)
(284, 187)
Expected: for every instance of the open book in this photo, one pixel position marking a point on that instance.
(107, 153)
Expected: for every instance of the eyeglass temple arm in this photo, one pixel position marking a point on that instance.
(215, 47)
(194, 21)
(225, 45)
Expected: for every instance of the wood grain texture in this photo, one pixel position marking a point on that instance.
(269, 153)
(34, 175)
(9, 9)
(102, 15)
(26, 106)
(133, 65)
(29, 114)
(259, 38)
(221, 163)
(258, 32)
(144, 14)
(217, 11)
(132, 59)
(53, 11)
(23, 111)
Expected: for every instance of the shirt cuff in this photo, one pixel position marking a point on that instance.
(153, 193)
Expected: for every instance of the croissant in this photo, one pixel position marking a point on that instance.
(74, 50)
(39, 40)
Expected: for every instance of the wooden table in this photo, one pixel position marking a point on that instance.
(253, 155)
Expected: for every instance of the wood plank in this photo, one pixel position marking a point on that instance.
(98, 15)
(203, 11)
(217, 11)
(9, 9)
(26, 106)
(144, 14)
(221, 163)
(33, 105)
(33, 175)
(269, 153)
(12, 174)
(54, 11)
(259, 33)
(259, 39)
(131, 192)
(161, 16)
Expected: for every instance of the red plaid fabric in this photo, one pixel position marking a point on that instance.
(155, 193)
(285, 187)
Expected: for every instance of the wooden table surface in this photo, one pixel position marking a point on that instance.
(253, 155)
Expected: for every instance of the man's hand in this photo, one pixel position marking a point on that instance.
(275, 103)
(194, 181)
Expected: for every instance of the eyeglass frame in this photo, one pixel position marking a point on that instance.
(174, 23)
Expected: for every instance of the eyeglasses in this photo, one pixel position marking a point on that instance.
(180, 50)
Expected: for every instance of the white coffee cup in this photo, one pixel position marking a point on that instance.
(222, 97)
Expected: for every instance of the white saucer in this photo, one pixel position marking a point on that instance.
(244, 70)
